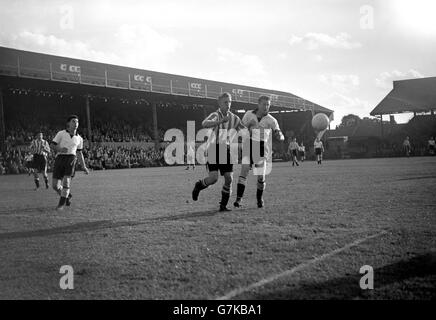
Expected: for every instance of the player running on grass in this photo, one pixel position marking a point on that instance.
(67, 143)
(223, 118)
(293, 150)
(319, 149)
(40, 149)
(265, 124)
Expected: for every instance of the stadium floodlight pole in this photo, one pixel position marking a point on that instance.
(88, 118)
(51, 71)
(105, 77)
(155, 130)
(130, 83)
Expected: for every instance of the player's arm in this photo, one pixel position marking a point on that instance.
(80, 156)
(82, 161)
(276, 131)
(279, 135)
(213, 121)
(32, 147)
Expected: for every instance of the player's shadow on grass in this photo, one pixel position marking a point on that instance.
(348, 287)
(77, 227)
(27, 210)
(188, 215)
(98, 225)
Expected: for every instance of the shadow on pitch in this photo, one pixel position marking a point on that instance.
(27, 210)
(348, 287)
(98, 225)
(189, 215)
(77, 227)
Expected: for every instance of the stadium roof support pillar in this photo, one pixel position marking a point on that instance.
(381, 126)
(88, 118)
(155, 125)
(2, 125)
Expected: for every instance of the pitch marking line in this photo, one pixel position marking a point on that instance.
(301, 266)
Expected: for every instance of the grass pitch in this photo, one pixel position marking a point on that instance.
(136, 234)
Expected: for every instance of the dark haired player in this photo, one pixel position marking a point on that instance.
(260, 125)
(67, 143)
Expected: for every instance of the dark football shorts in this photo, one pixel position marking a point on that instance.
(64, 165)
(318, 151)
(39, 162)
(294, 152)
(222, 167)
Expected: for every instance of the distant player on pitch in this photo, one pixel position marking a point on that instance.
(67, 143)
(293, 150)
(302, 150)
(40, 150)
(265, 124)
(319, 149)
(223, 118)
(190, 158)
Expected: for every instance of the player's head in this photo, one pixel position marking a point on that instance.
(39, 136)
(263, 104)
(224, 102)
(72, 122)
(294, 139)
(317, 139)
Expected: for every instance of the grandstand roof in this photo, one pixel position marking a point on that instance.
(413, 95)
(19, 67)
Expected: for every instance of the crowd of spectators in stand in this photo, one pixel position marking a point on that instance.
(107, 157)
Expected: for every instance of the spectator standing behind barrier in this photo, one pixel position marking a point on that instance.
(431, 146)
(406, 146)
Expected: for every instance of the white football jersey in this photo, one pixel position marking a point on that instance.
(266, 125)
(317, 144)
(63, 139)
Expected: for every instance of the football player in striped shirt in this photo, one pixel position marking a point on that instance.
(223, 118)
(40, 150)
(265, 124)
(67, 143)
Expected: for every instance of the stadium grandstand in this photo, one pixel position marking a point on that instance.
(124, 111)
(379, 138)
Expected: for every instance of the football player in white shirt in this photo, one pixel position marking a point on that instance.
(190, 158)
(302, 150)
(319, 149)
(265, 123)
(431, 146)
(67, 143)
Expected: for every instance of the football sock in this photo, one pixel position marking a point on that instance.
(225, 195)
(259, 194)
(240, 189)
(37, 182)
(62, 201)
